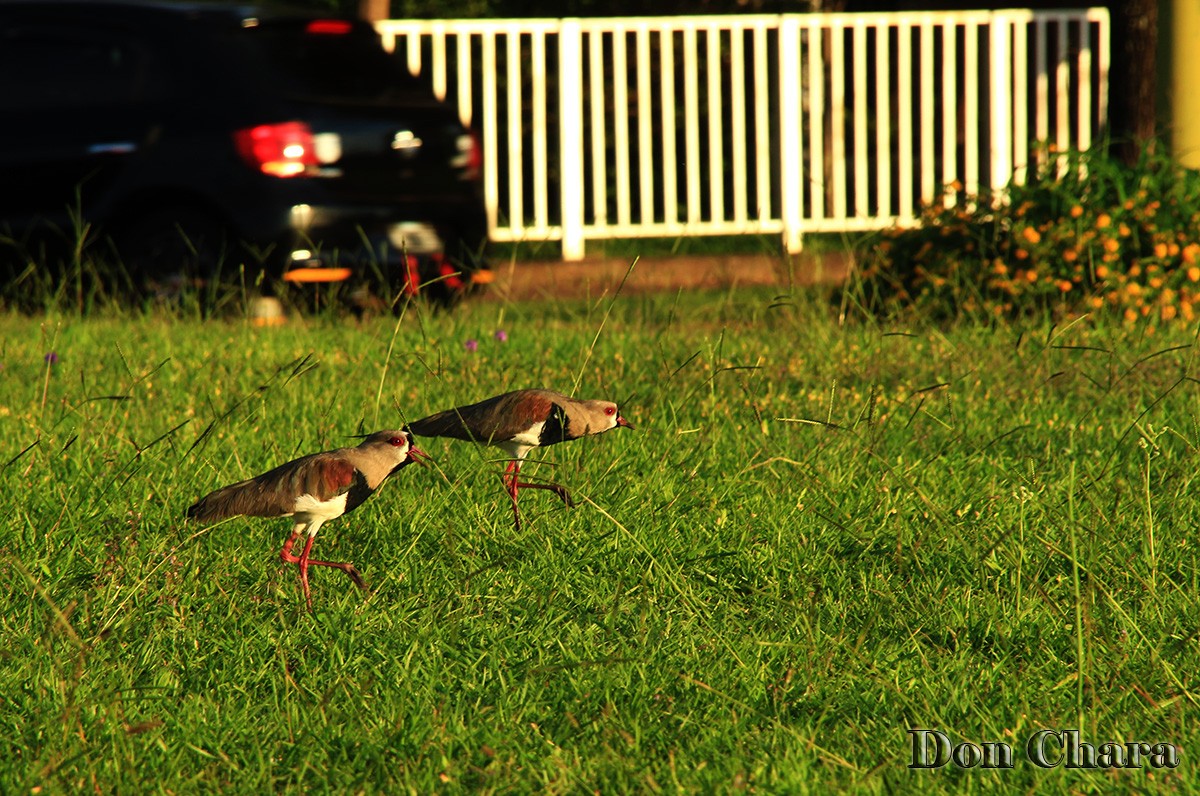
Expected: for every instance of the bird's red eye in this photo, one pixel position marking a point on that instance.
(610, 410)
(397, 441)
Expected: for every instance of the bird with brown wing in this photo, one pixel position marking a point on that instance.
(313, 490)
(519, 421)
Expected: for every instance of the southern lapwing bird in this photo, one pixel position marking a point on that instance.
(519, 421)
(313, 490)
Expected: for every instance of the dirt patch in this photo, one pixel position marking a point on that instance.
(594, 277)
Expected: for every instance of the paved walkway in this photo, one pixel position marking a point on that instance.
(595, 276)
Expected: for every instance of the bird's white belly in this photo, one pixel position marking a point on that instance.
(309, 508)
(530, 437)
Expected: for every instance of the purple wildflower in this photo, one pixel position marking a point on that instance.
(502, 336)
(472, 345)
(51, 358)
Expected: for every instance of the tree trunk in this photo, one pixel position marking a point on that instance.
(1135, 50)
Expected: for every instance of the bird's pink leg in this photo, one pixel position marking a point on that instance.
(511, 482)
(286, 556)
(557, 489)
(346, 567)
(304, 561)
(510, 474)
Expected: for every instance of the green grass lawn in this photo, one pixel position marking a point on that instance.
(817, 538)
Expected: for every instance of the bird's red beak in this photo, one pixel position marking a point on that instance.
(623, 423)
(417, 455)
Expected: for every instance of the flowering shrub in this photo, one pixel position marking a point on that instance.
(1099, 236)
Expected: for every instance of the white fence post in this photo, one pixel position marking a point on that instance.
(1000, 99)
(791, 112)
(570, 125)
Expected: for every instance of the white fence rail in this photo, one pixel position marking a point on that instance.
(787, 124)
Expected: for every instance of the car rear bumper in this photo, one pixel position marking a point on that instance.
(339, 234)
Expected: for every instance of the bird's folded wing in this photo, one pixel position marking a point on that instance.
(443, 424)
(274, 493)
(496, 419)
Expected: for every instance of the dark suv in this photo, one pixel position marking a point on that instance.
(186, 139)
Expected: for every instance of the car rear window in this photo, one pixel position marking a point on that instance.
(63, 66)
(327, 62)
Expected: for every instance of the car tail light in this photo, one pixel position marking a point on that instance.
(469, 157)
(336, 27)
(450, 275)
(286, 149)
(412, 275)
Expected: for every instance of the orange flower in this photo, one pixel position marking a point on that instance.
(1130, 315)
(1031, 276)
(1032, 235)
(1070, 255)
(1064, 285)
(1160, 250)
(1193, 274)
(1123, 231)
(1101, 272)
(1111, 245)
(1103, 220)
(1191, 253)
(1156, 282)
(1168, 312)
(1021, 254)
(1076, 211)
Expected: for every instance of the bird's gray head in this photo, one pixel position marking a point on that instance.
(605, 416)
(395, 445)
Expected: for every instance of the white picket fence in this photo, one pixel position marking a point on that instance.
(752, 124)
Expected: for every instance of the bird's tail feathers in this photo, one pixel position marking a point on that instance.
(243, 498)
(210, 508)
(443, 424)
(201, 511)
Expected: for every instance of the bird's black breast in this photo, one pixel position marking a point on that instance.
(358, 491)
(556, 427)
